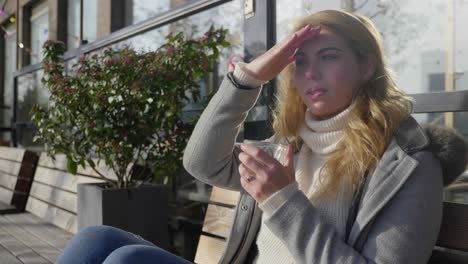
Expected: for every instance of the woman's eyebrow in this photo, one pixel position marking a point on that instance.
(301, 53)
(327, 49)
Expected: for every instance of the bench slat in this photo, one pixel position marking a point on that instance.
(8, 181)
(5, 195)
(54, 196)
(61, 164)
(62, 179)
(10, 167)
(209, 250)
(52, 214)
(14, 154)
(218, 220)
(224, 196)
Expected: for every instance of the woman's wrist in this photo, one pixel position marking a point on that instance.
(244, 78)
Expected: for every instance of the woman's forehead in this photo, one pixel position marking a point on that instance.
(325, 39)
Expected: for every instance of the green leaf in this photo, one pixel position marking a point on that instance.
(91, 163)
(72, 167)
(82, 163)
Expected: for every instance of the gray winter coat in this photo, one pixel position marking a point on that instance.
(398, 216)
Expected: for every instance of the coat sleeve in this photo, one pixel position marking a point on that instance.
(404, 231)
(210, 155)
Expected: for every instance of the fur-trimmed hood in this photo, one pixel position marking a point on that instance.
(450, 148)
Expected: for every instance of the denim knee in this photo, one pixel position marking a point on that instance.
(96, 233)
(142, 254)
(100, 232)
(108, 234)
(93, 244)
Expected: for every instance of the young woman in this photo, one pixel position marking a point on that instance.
(360, 184)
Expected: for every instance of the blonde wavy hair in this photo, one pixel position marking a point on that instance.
(379, 106)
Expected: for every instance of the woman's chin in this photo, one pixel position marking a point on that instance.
(322, 112)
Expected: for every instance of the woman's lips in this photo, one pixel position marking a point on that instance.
(316, 93)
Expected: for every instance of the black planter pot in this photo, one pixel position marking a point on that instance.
(142, 210)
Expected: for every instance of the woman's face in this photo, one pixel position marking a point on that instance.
(327, 74)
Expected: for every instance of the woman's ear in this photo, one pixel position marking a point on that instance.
(368, 68)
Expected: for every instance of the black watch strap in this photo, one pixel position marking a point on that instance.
(230, 76)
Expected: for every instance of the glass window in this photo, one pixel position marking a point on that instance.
(30, 92)
(139, 10)
(10, 68)
(73, 24)
(39, 30)
(460, 55)
(228, 16)
(89, 20)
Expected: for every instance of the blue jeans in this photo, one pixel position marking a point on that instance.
(105, 244)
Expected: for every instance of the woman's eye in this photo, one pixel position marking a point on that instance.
(299, 61)
(329, 57)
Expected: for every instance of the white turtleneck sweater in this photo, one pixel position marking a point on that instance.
(320, 139)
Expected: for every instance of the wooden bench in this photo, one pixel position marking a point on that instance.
(17, 168)
(451, 246)
(24, 238)
(53, 195)
(48, 218)
(216, 226)
(452, 243)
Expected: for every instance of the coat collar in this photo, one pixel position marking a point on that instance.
(411, 137)
(393, 170)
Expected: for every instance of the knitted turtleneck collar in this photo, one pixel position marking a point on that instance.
(322, 136)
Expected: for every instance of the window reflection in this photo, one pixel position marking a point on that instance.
(39, 31)
(10, 68)
(89, 20)
(73, 24)
(140, 10)
(228, 16)
(460, 55)
(30, 92)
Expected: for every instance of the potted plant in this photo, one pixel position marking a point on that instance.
(124, 108)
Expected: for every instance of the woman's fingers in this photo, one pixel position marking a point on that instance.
(271, 63)
(258, 154)
(299, 37)
(291, 58)
(308, 35)
(291, 46)
(245, 172)
(251, 163)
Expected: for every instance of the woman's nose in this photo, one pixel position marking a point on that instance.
(312, 74)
